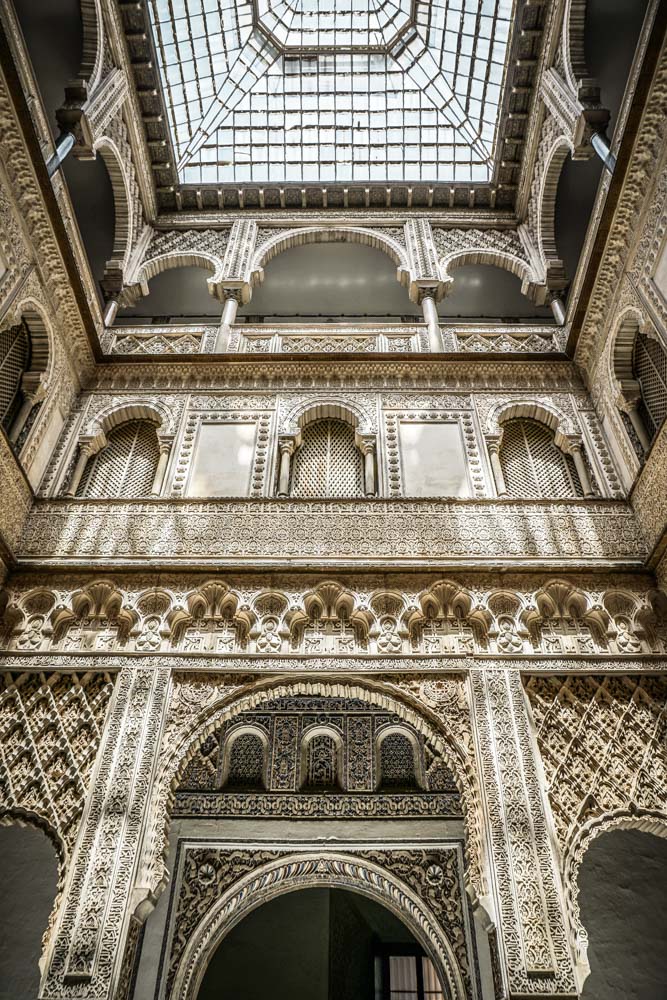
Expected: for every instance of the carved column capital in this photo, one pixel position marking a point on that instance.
(33, 386)
(367, 443)
(287, 444)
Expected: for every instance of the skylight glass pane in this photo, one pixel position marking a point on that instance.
(332, 90)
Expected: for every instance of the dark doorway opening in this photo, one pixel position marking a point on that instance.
(320, 944)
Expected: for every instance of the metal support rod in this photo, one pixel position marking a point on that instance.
(64, 146)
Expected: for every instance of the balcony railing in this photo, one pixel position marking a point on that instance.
(329, 338)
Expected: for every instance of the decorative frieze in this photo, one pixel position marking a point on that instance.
(342, 338)
(324, 622)
(161, 340)
(428, 532)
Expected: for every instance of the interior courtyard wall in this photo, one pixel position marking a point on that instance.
(107, 670)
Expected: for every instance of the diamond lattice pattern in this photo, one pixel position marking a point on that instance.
(322, 91)
(649, 364)
(533, 465)
(602, 741)
(328, 462)
(14, 359)
(126, 466)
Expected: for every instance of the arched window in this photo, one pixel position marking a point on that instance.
(397, 763)
(14, 361)
(126, 466)
(533, 465)
(246, 764)
(321, 764)
(328, 462)
(649, 367)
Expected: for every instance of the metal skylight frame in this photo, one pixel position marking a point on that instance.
(253, 99)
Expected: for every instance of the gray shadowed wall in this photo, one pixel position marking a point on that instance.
(623, 901)
(28, 881)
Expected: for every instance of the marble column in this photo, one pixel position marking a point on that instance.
(85, 452)
(496, 468)
(576, 450)
(368, 451)
(158, 480)
(558, 310)
(64, 146)
(432, 321)
(600, 144)
(638, 424)
(110, 312)
(228, 319)
(286, 448)
(33, 393)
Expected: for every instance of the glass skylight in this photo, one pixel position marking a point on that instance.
(326, 91)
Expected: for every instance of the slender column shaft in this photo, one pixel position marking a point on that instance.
(110, 312)
(64, 145)
(638, 424)
(497, 469)
(558, 309)
(433, 323)
(21, 417)
(226, 322)
(600, 144)
(79, 468)
(582, 471)
(229, 311)
(158, 481)
(283, 476)
(369, 472)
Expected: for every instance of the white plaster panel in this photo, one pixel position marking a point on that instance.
(222, 463)
(433, 460)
